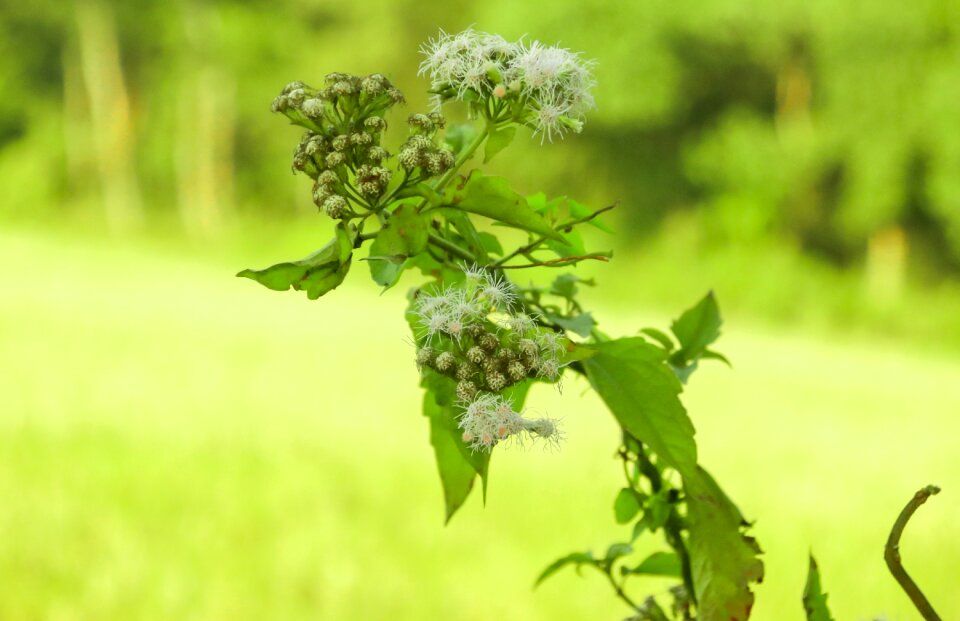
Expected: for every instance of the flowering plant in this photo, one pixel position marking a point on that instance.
(481, 340)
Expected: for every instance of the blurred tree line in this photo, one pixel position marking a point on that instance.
(833, 126)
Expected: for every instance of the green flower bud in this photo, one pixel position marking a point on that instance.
(335, 206)
(466, 390)
(496, 382)
(489, 342)
(341, 143)
(334, 159)
(375, 123)
(446, 362)
(328, 179)
(424, 356)
(476, 355)
(361, 139)
(377, 154)
(312, 108)
(516, 370)
(467, 370)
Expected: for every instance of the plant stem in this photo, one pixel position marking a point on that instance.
(451, 247)
(892, 554)
(620, 592)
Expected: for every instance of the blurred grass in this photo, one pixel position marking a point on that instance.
(178, 443)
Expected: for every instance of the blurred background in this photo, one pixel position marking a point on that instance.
(178, 443)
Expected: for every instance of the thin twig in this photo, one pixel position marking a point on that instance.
(556, 262)
(892, 554)
(536, 243)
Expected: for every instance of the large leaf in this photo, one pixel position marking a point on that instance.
(723, 561)
(456, 472)
(492, 197)
(317, 274)
(498, 140)
(630, 376)
(814, 599)
(697, 328)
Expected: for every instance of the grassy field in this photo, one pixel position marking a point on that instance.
(176, 443)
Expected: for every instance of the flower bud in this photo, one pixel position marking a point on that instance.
(377, 154)
(476, 355)
(466, 370)
(375, 123)
(489, 342)
(516, 370)
(466, 390)
(361, 139)
(335, 206)
(496, 382)
(341, 143)
(445, 362)
(499, 91)
(328, 179)
(334, 159)
(437, 119)
(424, 356)
(312, 108)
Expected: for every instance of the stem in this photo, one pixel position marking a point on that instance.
(465, 155)
(451, 247)
(892, 554)
(620, 592)
(561, 262)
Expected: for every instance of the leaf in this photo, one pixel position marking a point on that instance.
(723, 561)
(657, 564)
(571, 246)
(577, 558)
(709, 354)
(459, 136)
(498, 140)
(404, 235)
(490, 243)
(581, 324)
(626, 505)
(630, 376)
(616, 551)
(697, 328)
(578, 211)
(657, 510)
(456, 462)
(659, 337)
(814, 599)
(317, 274)
(492, 197)
(565, 286)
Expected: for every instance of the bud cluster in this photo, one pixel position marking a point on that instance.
(345, 122)
(547, 87)
(420, 156)
(473, 334)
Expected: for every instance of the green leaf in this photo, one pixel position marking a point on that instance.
(498, 140)
(581, 324)
(578, 211)
(577, 558)
(491, 243)
(626, 505)
(657, 510)
(659, 337)
(571, 246)
(640, 390)
(317, 274)
(814, 599)
(709, 354)
(492, 197)
(616, 551)
(697, 328)
(459, 136)
(657, 564)
(404, 235)
(723, 560)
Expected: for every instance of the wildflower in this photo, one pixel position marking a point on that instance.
(488, 420)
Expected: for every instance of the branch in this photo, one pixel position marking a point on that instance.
(892, 554)
(536, 243)
(556, 262)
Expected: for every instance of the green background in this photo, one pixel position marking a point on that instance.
(177, 443)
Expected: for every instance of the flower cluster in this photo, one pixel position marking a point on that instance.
(473, 334)
(345, 123)
(420, 156)
(489, 419)
(544, 87)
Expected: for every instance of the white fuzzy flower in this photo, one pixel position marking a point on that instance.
(489, 420)
(498, 292)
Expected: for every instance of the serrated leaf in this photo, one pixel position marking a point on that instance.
(498, 140)
(640, 390)
(723, 560)
(814, 599)
(626, 505)
(657, 564)
(697, 328)
(317, 274)
(577, 558)
(492, 197)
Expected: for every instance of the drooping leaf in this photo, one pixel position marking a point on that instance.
(492, 197)
(723, 560)
(576, 558)
(317, 274)
(630, 376)
(657, 564)
(498, 140)
(456, 473)
(814, 599)
(491, 243)
(697, 328)
(626, 505)
(459, 136)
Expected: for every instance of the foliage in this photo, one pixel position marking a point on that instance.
(481, 339)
